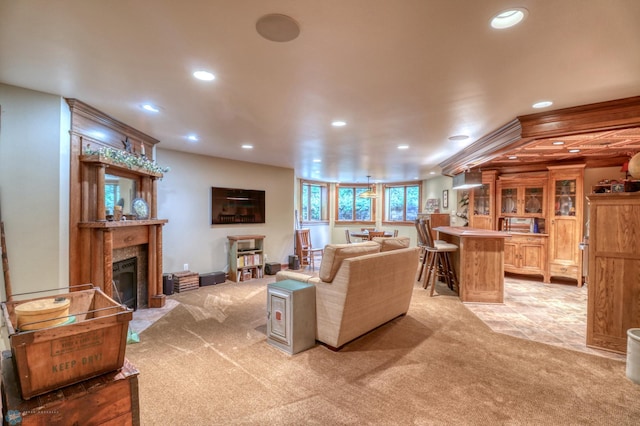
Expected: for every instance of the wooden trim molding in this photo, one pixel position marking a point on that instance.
(605, 133)
(484, 149)
(618, 114)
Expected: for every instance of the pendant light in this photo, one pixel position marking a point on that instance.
(369, 193)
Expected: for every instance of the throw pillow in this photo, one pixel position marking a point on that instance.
(334, 254)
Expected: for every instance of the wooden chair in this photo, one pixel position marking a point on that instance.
(366, 230)
(374, 234)
(308, 254)
(347, 235)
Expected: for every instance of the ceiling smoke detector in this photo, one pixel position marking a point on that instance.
(277, 27)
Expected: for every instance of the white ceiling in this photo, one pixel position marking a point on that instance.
(398, 71)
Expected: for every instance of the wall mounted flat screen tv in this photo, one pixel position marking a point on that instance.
(235, 206)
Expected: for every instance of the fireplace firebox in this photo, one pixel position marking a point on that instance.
(125, 281)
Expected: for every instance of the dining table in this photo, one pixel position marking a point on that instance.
(365, 234)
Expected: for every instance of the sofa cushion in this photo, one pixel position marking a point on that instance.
(334, 254)
(392, 243)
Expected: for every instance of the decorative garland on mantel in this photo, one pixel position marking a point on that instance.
(126, 159)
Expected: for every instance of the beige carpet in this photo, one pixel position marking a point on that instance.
(207, 362)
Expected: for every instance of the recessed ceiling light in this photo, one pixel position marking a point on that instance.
(193, 138)
(432, 173)
(508, 18)
(573, 151)
(513, 157)
(403, 146)
(317, 160)
(458, 137)
(247, 146)
(204, 75)
(338, 123)
(542, 104)
(150, 108)
(557, 143)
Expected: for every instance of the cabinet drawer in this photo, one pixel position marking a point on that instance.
(568, 271)
(527, 239)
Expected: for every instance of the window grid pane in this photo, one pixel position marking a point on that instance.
(313, 202)
(402, 203)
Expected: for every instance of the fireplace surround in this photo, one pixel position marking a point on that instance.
(94, 241)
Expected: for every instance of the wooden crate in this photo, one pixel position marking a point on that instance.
(185, 281)
(54, 357)
(111, 398)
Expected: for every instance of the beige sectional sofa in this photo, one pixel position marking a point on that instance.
(360, 287)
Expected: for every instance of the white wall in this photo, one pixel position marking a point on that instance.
(184, 198)
(34, 188)
(433, 188)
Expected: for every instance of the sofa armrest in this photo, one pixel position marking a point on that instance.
(291, 275)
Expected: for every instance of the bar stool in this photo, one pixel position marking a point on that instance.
(438, 261)
(422, 244)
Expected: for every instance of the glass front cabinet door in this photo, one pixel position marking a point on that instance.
(565, 214)
(482, 202)
(525, 198)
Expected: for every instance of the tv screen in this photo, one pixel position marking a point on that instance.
(232, 206)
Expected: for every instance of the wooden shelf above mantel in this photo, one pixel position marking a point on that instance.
(122, 223)
(118, 166)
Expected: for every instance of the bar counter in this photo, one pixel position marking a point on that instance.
(479, 262)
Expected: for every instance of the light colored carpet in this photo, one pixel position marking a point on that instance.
(207, 362)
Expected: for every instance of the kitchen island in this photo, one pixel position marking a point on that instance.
(479, 262)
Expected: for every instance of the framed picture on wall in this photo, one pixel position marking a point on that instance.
(445, 199)
(432, 205)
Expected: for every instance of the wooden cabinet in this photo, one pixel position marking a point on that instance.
(526, 254)
(521, 205)
(565, 221)
(543, 211)
(614, 269)
(246, 257)
(482, 211)
(522, 195)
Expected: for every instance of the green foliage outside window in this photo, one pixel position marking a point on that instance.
(402, 203)
(314, 199)
(353, 208)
